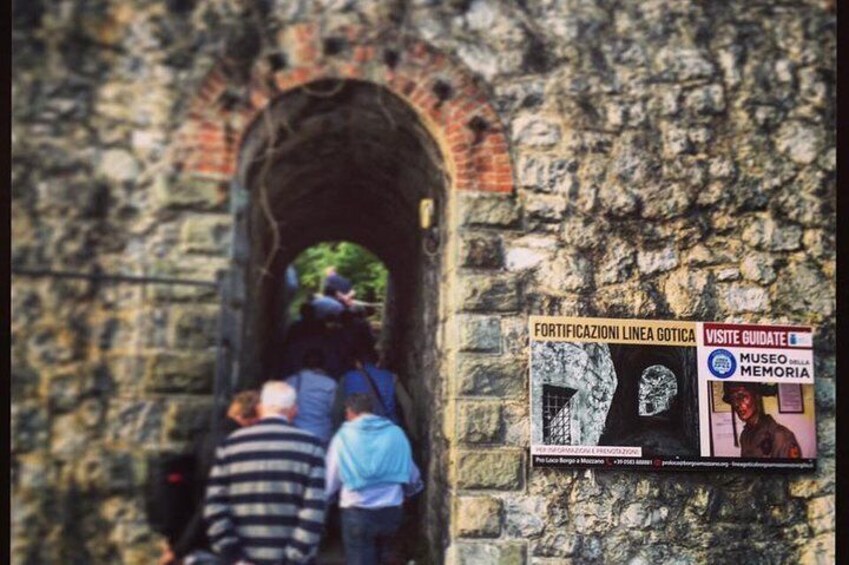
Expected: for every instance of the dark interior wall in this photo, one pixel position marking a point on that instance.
(346, 161)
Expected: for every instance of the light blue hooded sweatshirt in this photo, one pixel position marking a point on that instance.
(373, 452)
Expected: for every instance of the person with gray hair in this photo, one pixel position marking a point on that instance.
(265, 499)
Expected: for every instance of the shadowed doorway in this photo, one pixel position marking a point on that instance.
(347, 160)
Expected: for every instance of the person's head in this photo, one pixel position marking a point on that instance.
(340, 288)
(243, 408)
(278, 399)
(358, 404)
(314, 358)
(746, 399)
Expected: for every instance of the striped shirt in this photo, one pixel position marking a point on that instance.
(265, 498)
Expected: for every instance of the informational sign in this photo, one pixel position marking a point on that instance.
(671, 395)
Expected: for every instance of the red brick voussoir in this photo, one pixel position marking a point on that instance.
(446, 96)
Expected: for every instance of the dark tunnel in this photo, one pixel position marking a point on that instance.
(345, 160)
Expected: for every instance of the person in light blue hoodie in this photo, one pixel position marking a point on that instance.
(370, 464)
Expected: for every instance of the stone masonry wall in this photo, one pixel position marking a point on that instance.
(671, 160)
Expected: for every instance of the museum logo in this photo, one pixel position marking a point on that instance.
(722, 363)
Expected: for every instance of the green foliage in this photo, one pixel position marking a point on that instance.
(363, 268)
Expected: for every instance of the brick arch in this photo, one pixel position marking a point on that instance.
(447, 98)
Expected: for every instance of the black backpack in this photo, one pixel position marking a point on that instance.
(171, 489)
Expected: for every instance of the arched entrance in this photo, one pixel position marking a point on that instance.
(338, 159)
(352, 139)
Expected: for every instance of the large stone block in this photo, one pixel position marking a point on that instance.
(529, 252)
(180, 372)
(705, 100)
(109, 471)
(743, 298)
(68, 437)
(526, 517)
(571, 270)
(480, 333)
(495, 470)
(688, 293)
(194, 327)
(478, 517)
(766, 233)
(514, 331)
(483, 293)
(63, 391)
(206, 234)
(489, 211)
(657, 261)
(135, 421)
(32, 474)
(517, 424)
(821, 514)
(185, 420)
(28, 427)
(480, 422)
(802, 288)
(809, 486)
(483, 376)
(491, 553)
(819, 550)
(480, 251)
(532, 131)
(826, 395)
(118, 165)
(195, 193)
(513, 96)
(25, 382)
(618, 262)
(665, 200)
(544, 209)
(547, 174)
(678, 64)
(167, 293)
(759, 268)
(800, 142)
(554, 548)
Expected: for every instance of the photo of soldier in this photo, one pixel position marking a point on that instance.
(762, 436)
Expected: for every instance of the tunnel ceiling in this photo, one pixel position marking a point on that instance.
(342, 160)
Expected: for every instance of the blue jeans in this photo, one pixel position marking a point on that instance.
(367, 534)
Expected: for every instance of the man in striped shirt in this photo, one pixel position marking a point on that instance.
(265, 498)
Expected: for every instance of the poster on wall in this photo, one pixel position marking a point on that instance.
(671, 395)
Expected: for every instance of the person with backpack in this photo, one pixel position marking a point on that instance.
(391, 399)
(316, 391)
(190, 545)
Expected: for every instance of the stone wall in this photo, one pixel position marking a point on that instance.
(671, 160)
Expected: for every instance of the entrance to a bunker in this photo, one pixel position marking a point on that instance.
(346, 160)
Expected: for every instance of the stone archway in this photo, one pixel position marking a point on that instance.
(409, 123)
(346, 160)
